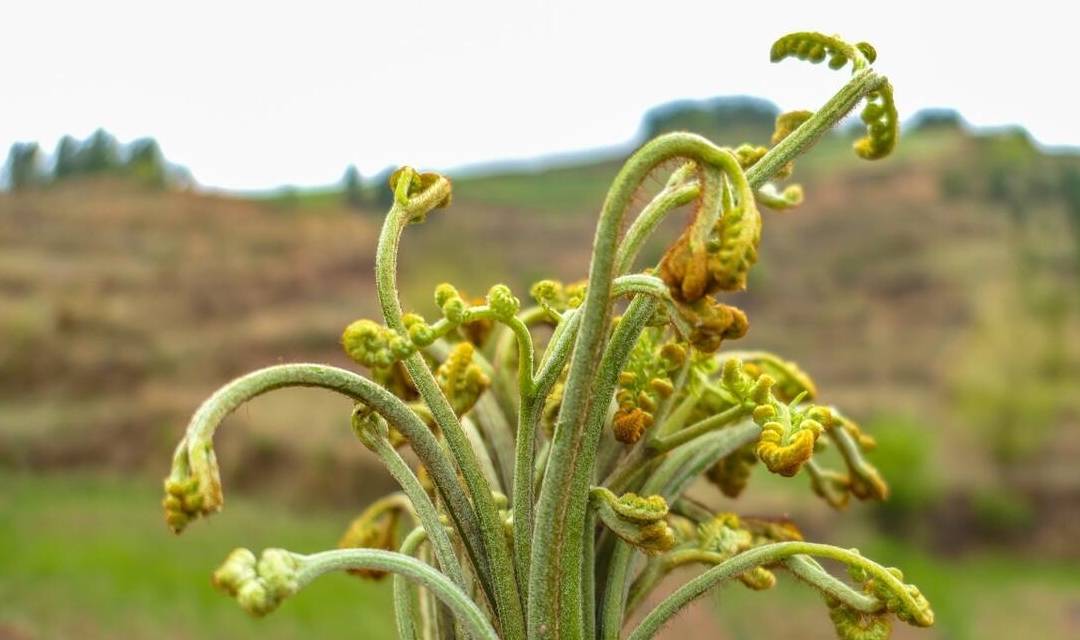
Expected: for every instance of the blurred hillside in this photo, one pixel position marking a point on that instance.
(935, 295)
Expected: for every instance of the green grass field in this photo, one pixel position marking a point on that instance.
(88, 557)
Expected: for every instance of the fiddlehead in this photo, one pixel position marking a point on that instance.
(882, 124)
(879, 115)
(816, 47)
(556, 298)
(193, 488)
(886, 585)
(789, 198)
(259, 586)
(644, 382)
(788, 435)
(788, 431)
(715, 253)
(638, 520)
(852, 624)
(460, 379)
(375, 528)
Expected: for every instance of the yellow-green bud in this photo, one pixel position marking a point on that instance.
(258, 586)
(444, 293)
(502, 302)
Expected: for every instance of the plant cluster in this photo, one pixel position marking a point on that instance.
(549, 499)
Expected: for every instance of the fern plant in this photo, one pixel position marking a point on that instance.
(549, 499)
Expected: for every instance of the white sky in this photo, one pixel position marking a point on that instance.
(260, 94)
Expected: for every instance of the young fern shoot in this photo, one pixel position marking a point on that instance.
(548, 501)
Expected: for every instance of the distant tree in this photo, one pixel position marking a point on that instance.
(384, 197)
(353, 187)
(1070, 194)
(67, 158)
(23, 168)
(937, 119)
(723, 115)
(145, 163)
(99, 154)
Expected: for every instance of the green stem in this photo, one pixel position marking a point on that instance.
(507, 388)
(613, 606)
(480, 450)
(675, 474)
(861, 83)
(687, 461)
(588, 576)
(532, 406)
(404, 606)
(425, 509)
(498, 434)
(223, 402)
(716, 421)
(655, 571)
(809, 571)
(546, 615)
(466, 611)
(765, 555)
(644, 284)
(504, 588)
(613, 361)
(670, 198)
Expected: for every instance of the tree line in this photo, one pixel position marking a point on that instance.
(372, 193)
(28, 166)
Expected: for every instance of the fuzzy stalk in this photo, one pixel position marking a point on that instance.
(503, 590)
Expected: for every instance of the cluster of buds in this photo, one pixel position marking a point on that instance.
(788, 435)
(731, 473)
(726, 535)
(259, 586)
(645, 381)
(193, 488)
(461, 379)
(556, 298)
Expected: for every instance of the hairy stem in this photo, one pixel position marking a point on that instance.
(425, 509)
(765, 555)
(504, 587)
(466, 611)
(861, 83)
(532, 406)
(228, 398)
(546, 615)
(404, 606)
(701, 427)
(687, 461)
(613, 361)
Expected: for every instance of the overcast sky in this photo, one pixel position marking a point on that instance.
(260, 94)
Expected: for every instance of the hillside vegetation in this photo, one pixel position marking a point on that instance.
(125, 305)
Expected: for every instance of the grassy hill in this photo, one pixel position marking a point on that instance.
(124, 306)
